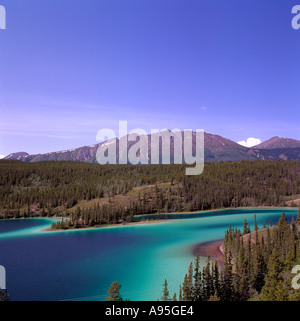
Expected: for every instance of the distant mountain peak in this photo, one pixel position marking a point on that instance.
(277, 142)
(17, 156)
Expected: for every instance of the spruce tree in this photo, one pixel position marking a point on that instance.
(166, 294)
(4, 296)
(227, 289)
(255, 224)
(208, 282)
(180, 298)
(187, 292)
(197, 289)
(246, 228)
(113, 293)
(216, 279)
(273, 279)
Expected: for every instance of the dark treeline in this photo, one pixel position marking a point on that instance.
(4, 296)
(257, 266)
(60, 188)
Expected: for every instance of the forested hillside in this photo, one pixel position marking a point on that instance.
(95, 194)
(257, 266)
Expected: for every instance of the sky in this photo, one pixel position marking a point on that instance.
(69, 68)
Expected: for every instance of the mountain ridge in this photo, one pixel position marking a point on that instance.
(216, 148)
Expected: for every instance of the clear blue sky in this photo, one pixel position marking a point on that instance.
(69, 68)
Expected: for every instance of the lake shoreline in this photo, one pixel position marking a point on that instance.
(145, 222)
(223, 209)
(161, 220)
(49, 229)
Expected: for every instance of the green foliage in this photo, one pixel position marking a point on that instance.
(113, 293)
(214, 298)
(4, 296)
(274, 289)
(90, 193)
(166, 294)
(246, 228)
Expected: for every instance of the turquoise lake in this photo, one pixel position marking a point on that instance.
(81, 264)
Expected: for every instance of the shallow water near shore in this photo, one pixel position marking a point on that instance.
(81, 264)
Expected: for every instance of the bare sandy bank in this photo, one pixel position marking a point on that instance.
(213, 249)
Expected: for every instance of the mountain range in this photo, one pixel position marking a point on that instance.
(216, 148)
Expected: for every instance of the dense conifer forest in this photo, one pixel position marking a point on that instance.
(257, 266)
(93, 194)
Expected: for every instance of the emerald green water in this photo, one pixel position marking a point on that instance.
(81, 264)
